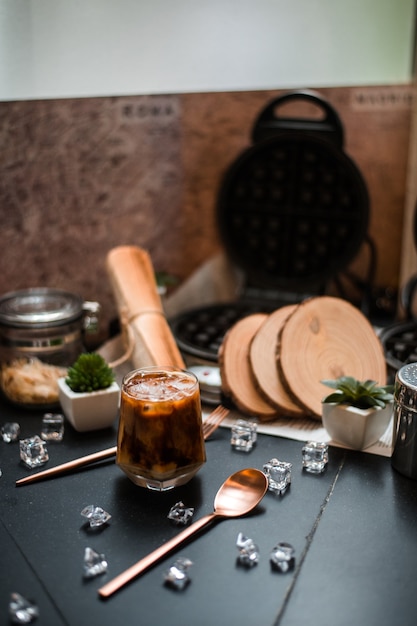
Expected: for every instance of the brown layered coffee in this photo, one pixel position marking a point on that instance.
(160, 440)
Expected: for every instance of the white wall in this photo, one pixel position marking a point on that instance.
(65, 48)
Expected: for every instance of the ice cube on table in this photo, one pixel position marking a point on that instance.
(248, 551)
(243, 435)
(52, 427)
(33, 451)
(10, 432)
(21, 610)
(283, 557)
(315, 457)
(180, 514)
(94, 563)
(95, 515)
(177, 575)
(278, 474)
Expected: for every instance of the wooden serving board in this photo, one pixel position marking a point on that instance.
(325, 338)
(236, 372)
(263, 361)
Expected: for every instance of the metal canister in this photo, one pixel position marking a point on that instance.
(404, 442)
(44, 324)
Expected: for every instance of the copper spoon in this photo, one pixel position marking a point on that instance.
(238, 495)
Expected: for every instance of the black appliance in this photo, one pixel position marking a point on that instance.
(292, 211)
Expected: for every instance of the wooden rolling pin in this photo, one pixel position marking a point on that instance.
(140, 309)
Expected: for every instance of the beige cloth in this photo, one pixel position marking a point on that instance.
(216, 281)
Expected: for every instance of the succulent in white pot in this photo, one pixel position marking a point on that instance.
(357, 413)
(89, 394)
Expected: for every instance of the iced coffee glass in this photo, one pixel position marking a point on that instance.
(160, 441)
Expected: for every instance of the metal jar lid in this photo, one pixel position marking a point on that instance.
(210, 382)
(405, 393)
(39, 308)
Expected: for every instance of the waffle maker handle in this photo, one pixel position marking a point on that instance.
(328, 125)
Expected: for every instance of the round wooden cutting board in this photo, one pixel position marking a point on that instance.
(325, 338)
(235, 369)
(263, 361)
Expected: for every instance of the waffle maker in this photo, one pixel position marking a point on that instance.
(292, 212)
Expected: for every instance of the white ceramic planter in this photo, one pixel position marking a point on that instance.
(355, 428)
(89, 411)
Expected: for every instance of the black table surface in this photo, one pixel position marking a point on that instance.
(354, 530)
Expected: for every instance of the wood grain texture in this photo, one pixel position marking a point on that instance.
(263, 362)
(236, 372)
(325, 338)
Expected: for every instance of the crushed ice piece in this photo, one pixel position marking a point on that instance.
(94, 563)
(96, 515)
(315, 457)
(21, 610)
(180, 514)
(52, 427)
(33, 451)
(177, 575)
(243, 435)
(282, 557)
(10, 432)
(248, 551)
(278, 474)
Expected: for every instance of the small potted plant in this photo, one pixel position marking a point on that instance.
(357, 413)
(89, 394)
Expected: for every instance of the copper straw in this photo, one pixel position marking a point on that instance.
(66, 467)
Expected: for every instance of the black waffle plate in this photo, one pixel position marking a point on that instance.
(200, 332)
(293, 209)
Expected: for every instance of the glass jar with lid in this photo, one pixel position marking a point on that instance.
(41, 335)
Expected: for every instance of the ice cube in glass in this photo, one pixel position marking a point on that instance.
(160, 437)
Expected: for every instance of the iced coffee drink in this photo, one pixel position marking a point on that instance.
(160, 440)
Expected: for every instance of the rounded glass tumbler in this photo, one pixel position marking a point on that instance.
(160, 441)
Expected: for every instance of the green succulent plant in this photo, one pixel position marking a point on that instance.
(362, 395)
(90, 372)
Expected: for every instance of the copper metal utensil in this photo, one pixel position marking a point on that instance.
(238, 495)
(67, 467)
(213, 421)
(210, 424)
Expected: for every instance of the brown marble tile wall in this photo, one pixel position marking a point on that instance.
(80, 176)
